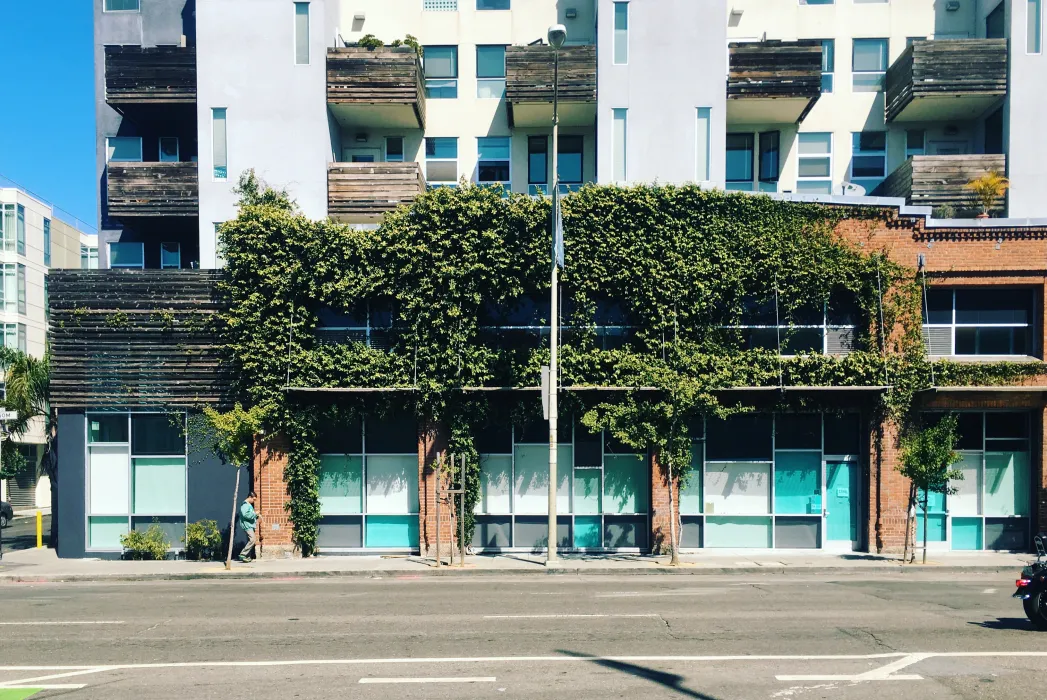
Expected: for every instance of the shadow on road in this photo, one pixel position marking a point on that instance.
(662, 678)
(1006, 623)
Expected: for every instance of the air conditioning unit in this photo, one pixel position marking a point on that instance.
(850, 189)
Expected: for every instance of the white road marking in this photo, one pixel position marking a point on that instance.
(475, 679)
(883, 673)
(31, 623)
(650, 594)
(37, 686)
(989, 591)
(553, 617)
(32, 682)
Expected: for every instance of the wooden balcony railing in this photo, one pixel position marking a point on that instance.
(376, 87)
(529, 85)
(163, 75)
(773, 81)
(936, 181)
(153, 189)
(361, 192)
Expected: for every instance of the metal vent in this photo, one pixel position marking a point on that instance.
(840, 341)
(937, 340)
(442, 5)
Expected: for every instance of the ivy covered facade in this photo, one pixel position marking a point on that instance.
(736, 369)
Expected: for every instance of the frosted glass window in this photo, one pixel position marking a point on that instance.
(701, 158)
(531, 489)
(738, 488)
(495, 484)
(798, 483)
(301, 33)
(218, 143)
(490, 71)
(1006, 483)
(159, 485)
(968, 496)
(341, 484)
(104, 532)
(1035, 22)
(621, 32)
(122, 5)
(392, 484)
(618, 135)
(587, 492)
(754, 533)
(691, 493)
(625, 484)
(868, 64)
(108, 480)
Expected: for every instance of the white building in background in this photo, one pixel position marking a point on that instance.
(32, 241)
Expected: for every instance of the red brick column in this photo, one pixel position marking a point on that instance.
(660, 507)
(888, 492)
(432, 447)
(275, 531)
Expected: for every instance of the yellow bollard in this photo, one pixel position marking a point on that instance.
(39, 529)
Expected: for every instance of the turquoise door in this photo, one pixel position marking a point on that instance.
(841, 501)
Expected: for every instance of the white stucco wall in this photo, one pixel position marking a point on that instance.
(677, 62)
(1027, 97)
(276, 115)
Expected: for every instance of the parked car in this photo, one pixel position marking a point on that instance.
(7, 513)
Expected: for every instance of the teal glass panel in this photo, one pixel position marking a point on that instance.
(103, 532)
(341, 484)
(741, 532)
(587, 532)
(587, 492)
(935, 527)
(691, 493)
(159, 485)
(967, 533)
(935, 503)
(1007, 483)
(797, 483)
(391, 531)
(625, 484)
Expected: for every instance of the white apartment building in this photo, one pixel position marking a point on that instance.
(898, 98)
(32, 240)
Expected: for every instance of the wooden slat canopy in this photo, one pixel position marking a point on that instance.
(135, 338)
(775, 69)
(529, 74)
(366, 191)
(935, 181)
(150, 75)
(385, 76)
(153, 189)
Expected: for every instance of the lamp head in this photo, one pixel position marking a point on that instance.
(557, 35)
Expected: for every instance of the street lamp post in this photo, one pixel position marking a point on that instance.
(557, 35)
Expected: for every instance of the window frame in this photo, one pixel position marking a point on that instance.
(296, 47)
(781, 327)
(765, 184)
(160, 149)
(88, 254)
(623, 5)
(1034, 28)
(20, 230)
(482, 80)
(220, 173)
(885, 54)
(620, 161)
(178, 252)
(800, 157)
(507, 185)
(703, 114)
(436, 159)
(109, 250)
(953, 325)
(9, 270)
(738, 182)
(536, 187)
(508, 6)
(909, 150)
(47, 242)
(20, 281)
(451, 82)
(385, 151)
(566, 186)
(857, 152)
(110, 159)
(138, 9)
(828, 66)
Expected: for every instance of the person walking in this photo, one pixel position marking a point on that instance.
(249, 523)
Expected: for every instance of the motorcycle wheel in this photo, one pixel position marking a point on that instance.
(1036, 609)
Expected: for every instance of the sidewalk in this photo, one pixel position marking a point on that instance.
(42, 565)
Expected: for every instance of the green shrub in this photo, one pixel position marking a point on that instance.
(151, 544)
(202, 540)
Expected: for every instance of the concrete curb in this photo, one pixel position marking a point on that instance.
(896, 569)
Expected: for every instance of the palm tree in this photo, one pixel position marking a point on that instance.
(28, 382)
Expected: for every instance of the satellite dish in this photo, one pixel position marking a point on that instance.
(850, 189)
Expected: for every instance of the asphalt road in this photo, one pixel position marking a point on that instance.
(773, 636)
(22, 533)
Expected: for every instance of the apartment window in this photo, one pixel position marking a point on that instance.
(618, 136)
(828, 64)
(978, 321)
(868, 158)
(440, 5)
(369, 323)
(122, 6)
(9, 227)
(441, 161)
(20, 231)
(870, 2)
(170, 256)
(126, 149)
(492, 167)
(301, 33)
(868, 64)
(823, 328)
(621, 33)
(537, 165)
(219, 144)
(47, 242)
(740, 162)
(1034, 17)
(126, 255)
(996, 23)
(817, 2)
(770, 160)
(168, 149)
(702, 137)
(492, 4)
(814, 160)
(915, 142)
(219, 245)
(88, 257)
(490, 71)
(569, 163)
(15, 336)
(9, 291)
(394, 149)
(440, 64)
(21, 289)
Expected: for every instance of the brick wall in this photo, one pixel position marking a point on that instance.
(432, 447)
(660, 513)
(275, 532)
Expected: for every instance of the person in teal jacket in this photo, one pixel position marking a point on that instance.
(249, 523)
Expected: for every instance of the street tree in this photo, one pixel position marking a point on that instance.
(927, 456)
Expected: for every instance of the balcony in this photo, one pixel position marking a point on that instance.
(152, 189)
(161, 75)
(529, 86)
(946, 80)
(373, 88)
(773, 82)
(935, 181)
(365, 192)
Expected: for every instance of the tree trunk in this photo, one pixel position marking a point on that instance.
(926, 497)
(674, 552)
(909, 548)
(232, 523)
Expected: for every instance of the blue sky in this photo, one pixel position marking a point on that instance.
(47, 141)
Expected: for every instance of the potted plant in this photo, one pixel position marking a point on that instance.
(987, 190)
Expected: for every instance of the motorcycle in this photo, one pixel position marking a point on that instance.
(1032, 586)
